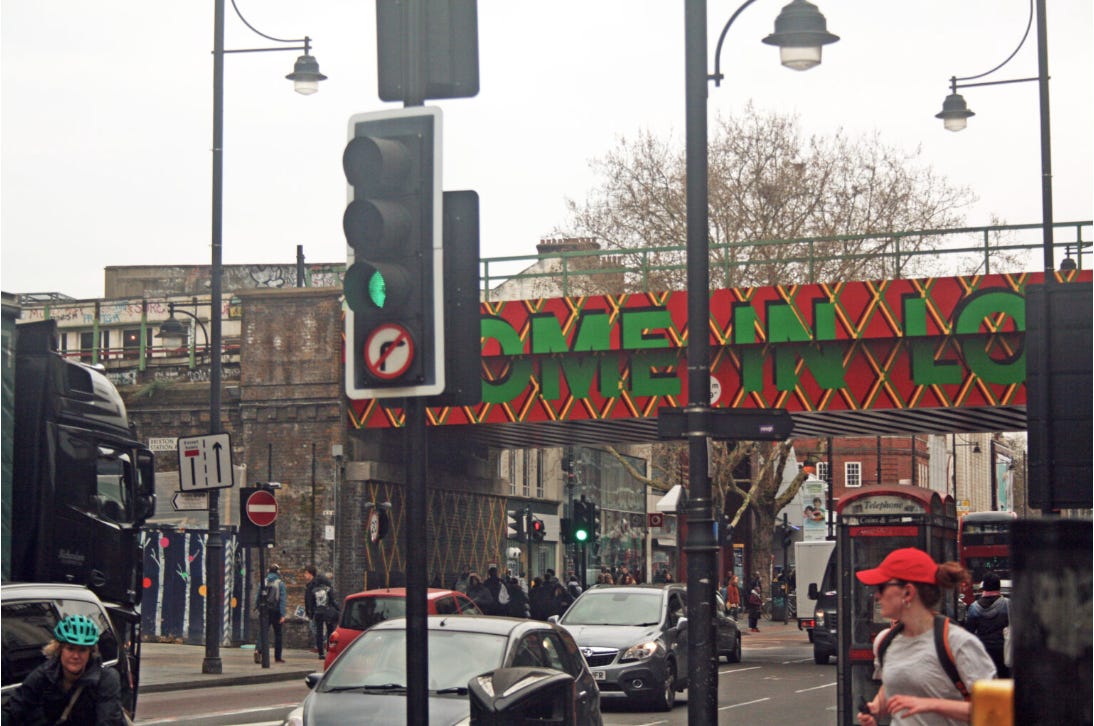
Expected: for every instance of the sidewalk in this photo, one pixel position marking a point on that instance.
(170, 667)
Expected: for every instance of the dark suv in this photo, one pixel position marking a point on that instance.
(634, 639)
(825, 636)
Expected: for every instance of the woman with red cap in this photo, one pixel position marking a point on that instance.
(915, 690)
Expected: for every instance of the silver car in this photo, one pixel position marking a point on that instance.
(634, 638)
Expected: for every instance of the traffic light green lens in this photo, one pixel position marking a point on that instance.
(377, 289)
(581, 535)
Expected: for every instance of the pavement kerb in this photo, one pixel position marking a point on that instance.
(201, 680)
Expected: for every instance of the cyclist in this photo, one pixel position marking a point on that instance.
(72, 686)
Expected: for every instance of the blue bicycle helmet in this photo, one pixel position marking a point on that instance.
(77, 630)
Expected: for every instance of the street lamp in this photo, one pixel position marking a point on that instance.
(799, 32)
(955, 114)
(305, 78)
(175, 335)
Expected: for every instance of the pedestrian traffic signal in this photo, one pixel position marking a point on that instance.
(516, 526)
(393, 284)
(538, 530)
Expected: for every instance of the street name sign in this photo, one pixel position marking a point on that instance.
(205, 462)
(190, 501)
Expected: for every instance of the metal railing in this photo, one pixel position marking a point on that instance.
(917, 253)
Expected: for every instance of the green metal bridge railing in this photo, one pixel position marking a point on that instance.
(917, 253)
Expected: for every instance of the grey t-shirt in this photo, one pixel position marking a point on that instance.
(912, 668)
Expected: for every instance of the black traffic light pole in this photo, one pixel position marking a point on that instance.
(417, 626)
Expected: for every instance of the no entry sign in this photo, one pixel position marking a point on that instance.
(261, 508)
(389, 351)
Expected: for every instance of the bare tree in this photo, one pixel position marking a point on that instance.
(768, 182)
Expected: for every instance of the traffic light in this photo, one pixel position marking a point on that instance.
(594, 521)
(394, 276)
(537, 529)
(564, 530)
(725, 530)
(516, 526)
(581, 522)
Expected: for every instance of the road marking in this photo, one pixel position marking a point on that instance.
(222, 714)
(799, 660)
(740, 670)
(816, 688)
(746, 703)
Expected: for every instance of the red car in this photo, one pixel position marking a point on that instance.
(362, 610)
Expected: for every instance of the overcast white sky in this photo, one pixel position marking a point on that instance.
(107, 120)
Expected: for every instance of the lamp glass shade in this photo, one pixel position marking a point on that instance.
(800, 58)
(955, 123)
(305, 88)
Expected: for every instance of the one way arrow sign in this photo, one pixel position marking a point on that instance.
(205, 462)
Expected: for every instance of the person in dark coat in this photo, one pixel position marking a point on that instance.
(71, 683)
(478, 592)
(539, 599)
(986, 619)
(560, 599)
(518, 606)
(494, 584)
(323, 615)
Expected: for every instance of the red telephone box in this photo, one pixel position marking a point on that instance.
(872, 523)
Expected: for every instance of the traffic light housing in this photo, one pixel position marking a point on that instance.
(725, 530)
(393, 284)
(581, 522)
(537, 530)
(515, 529)
(565, 530)
(594, 522)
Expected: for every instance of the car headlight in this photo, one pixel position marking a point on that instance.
(642, 651)
(295, 717)
(819, 616)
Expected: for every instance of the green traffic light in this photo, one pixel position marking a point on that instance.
(377, 289)
(581, 535)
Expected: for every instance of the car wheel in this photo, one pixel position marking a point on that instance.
(734, 656)
(810, 636)
(819, 656)
(665, 699)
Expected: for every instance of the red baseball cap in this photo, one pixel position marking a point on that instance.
(908, 564)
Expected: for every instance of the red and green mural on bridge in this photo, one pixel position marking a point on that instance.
(942, 342)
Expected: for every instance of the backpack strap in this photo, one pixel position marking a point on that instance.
(941, 646)
(886, 641)
(945, 653)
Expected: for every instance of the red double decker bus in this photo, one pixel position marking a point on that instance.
(983, 542)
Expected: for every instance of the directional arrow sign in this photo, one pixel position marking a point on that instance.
(190, 501)
(205, 462)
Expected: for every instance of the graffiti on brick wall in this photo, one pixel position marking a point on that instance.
(173, 599)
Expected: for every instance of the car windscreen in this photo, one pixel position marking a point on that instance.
(27, 625)
(378, 659)
(610, 607)
(363, 612)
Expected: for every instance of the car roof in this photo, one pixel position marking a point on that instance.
(46, 590)
(431, 594)
(491, 624)
(645, 587)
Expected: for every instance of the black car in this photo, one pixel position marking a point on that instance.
(634, 638)
(367, 682)
(825, 635)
